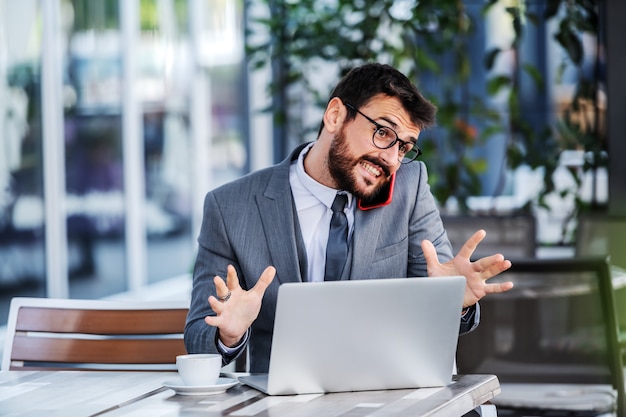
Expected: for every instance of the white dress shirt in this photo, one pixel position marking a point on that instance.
(313, 205)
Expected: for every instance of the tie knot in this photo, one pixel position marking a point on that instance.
(339, 203)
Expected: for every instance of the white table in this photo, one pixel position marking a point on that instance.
(135, 394)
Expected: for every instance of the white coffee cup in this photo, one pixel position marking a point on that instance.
(199, 369)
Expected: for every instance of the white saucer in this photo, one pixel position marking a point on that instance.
(222, 385)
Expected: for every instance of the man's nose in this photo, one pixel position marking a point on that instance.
(391, 155)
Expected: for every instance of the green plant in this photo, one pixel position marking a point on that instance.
(582, 125)
(578, 127)
(526, 144)
(430, 41)
(426, 40)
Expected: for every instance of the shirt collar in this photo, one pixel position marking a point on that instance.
(322, 193)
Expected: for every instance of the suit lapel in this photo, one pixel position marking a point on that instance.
(277, 214)
(367, 226)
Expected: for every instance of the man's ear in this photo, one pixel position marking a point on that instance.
(334, 115)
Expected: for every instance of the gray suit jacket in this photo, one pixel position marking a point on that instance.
(250, 223)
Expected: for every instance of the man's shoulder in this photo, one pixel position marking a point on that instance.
(411, 175)
(412, 169)
(274, 178)
(253, 182)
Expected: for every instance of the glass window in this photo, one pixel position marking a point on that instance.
(22, 256)
(93, 153)
(167, 66)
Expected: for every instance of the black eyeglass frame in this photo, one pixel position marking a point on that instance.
(379, 127)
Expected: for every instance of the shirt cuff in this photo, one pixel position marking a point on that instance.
(471, 319)
(230, 351)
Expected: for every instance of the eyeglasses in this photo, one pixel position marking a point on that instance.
(385, 137)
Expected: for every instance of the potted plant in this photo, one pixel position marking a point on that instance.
(578, 125)
(428, 41)
(431, 42)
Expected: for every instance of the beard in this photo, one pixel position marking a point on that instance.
(341, 165)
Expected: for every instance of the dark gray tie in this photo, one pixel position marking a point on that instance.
(337, 248)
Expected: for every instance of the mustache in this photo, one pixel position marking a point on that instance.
(378, 162)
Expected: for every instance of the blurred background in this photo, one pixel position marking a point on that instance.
(116, 117)
(115, 121)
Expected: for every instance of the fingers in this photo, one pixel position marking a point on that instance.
(265, 280)
(490, 268)
(221, 289)
(232, 280)
(213, 321)
(430, 253)
(492, 265)
(224, 289)
(471, 244)
(498, 267)
(236, 313)
(498, 287)
(216, 305)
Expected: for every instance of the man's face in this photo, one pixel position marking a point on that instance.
(355, 163)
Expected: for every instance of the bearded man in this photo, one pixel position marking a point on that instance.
(272, 226)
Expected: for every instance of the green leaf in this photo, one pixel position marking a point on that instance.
(479, 165)
(533, 18)
(489, 4)
(491, 130)
(490, 57)
(465, 67)
(552, 8)
(426, 62)
(534, 74)
(570, 42)
(495, 84)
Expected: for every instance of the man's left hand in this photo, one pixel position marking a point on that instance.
(476, 273)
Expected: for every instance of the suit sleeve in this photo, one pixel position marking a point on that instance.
(214, 254)
(426, 224)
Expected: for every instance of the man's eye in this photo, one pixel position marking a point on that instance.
(406, 147)
(382, 133)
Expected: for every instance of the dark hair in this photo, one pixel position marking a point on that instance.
(362, 83)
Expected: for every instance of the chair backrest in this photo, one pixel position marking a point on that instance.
(44, 333)
(514, 236)
(557, 325)
(602, 235)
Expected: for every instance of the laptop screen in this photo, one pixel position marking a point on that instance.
(364, 335)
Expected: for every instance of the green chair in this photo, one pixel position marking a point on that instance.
(552, 340)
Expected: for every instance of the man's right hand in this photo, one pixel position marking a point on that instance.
(235, 315)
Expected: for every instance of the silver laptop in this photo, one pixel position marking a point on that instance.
(363, 335)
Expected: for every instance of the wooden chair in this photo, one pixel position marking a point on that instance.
(51, 334)
(552, 340)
